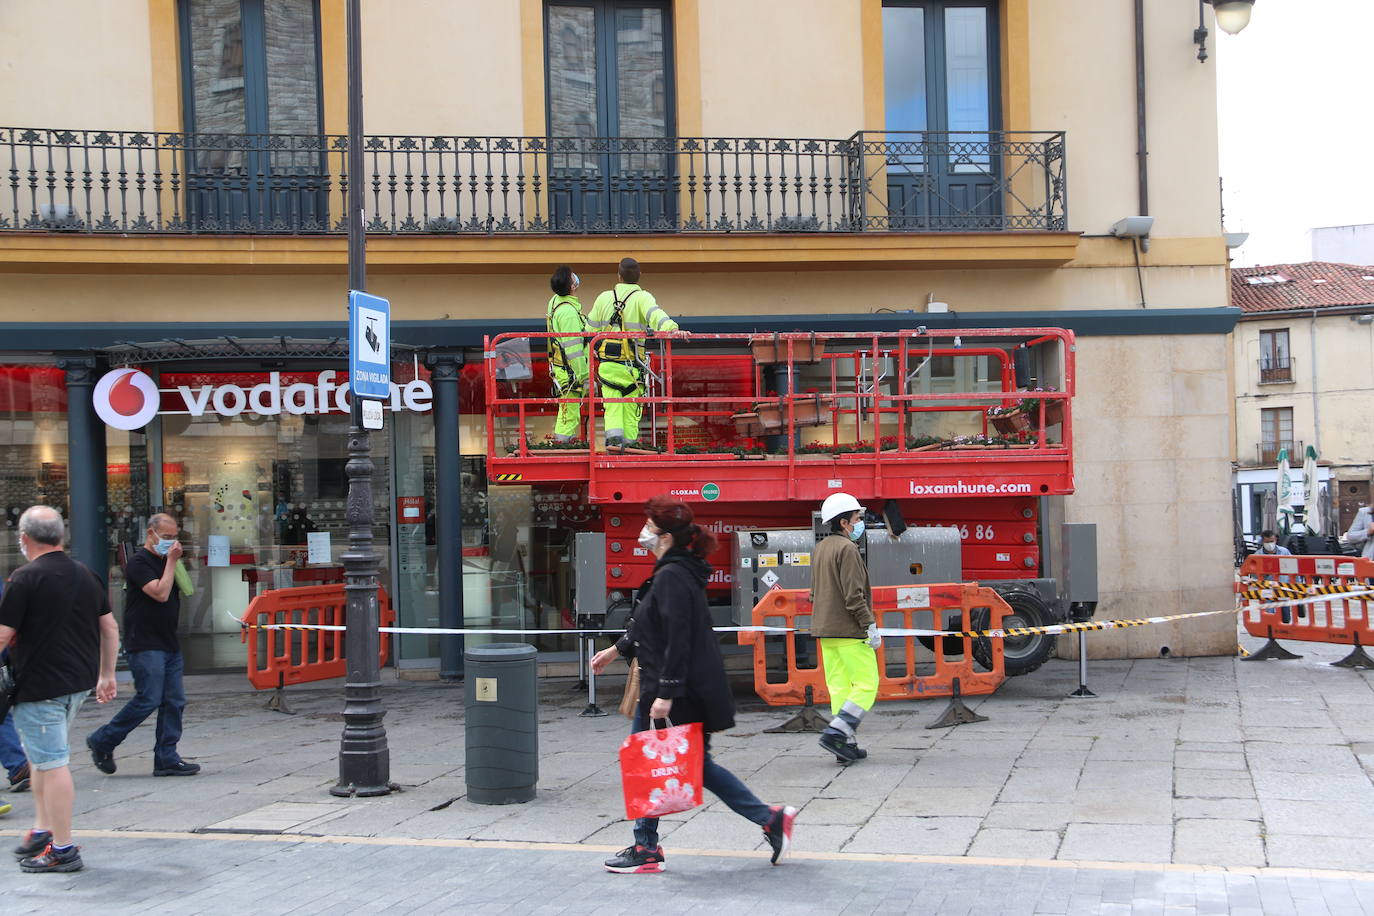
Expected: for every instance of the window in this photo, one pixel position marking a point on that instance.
(939, 75)
(1274, 364)
(252, 67)
(1276, 433)
(609, 75)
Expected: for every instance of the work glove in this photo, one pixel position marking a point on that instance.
(874, 640)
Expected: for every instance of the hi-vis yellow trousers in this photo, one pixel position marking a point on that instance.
(851, 673)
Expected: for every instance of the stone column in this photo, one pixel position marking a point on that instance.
(448, 509)
(85, 465)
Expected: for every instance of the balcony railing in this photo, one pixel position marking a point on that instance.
(1268, 452)
(90, 181)
(1275, 370)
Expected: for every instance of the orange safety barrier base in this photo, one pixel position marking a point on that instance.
(1340, 620)
(953, 606)
(280, 657)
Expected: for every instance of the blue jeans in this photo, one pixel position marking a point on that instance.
(157, 685)
(11, 751)
(720, 781)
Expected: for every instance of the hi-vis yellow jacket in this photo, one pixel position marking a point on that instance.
(564, 316)
(628, 307)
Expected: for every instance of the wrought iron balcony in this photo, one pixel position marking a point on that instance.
(1268, 452)
(1275, 370)
(90, 181)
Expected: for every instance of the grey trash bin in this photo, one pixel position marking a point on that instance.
(501, 702)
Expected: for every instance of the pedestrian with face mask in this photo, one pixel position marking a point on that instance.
(842, 621)
(682, 674)
(152, 606)
(1269, 543)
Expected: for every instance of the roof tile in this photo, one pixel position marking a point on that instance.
(1309, 285)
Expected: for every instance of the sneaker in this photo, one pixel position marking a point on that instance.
(180, 768)
(52, 860)
(636, 860)
(778, 830)
(35, 841)
(103, 760)
(19, 782)
(835, 743)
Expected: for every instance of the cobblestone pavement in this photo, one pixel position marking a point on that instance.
(1254, 769)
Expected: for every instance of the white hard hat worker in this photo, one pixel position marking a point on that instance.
(838, 504)
(844, 624)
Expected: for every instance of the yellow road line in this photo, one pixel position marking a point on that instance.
(453, 843)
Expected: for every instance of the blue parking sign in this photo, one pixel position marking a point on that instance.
(369, 345)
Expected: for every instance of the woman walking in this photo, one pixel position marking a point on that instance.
(682, 674)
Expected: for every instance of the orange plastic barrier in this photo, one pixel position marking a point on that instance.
(280, 657)
(921, 607)
(1335, 619)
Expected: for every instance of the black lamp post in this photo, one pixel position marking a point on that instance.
(364, 760)
(1232, 17)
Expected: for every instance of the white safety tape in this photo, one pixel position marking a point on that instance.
(1053, 629)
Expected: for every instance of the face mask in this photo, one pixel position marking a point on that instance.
(1267, 547)
(647, 539)
(857, 531)
(163, 545)
(576, 281)
(22, 549)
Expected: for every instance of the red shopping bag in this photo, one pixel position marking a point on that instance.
(661, 770)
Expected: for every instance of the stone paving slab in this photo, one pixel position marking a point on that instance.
(1138, 774)
(177, 874)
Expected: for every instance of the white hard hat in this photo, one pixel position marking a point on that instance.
(837, 504)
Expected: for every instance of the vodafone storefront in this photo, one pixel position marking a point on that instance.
(249, 454)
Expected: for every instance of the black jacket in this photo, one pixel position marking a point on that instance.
(679, 654)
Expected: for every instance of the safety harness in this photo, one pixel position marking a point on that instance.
(558, 357)
(619, 349)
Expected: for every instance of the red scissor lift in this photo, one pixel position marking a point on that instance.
(755, 430)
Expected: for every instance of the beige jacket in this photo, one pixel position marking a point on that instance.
(841, 597)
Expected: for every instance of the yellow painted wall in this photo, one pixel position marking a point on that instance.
(1344, 384)
(780, 69)
(75, 64)
(314, 297)
(442, 67)
(1088, 89)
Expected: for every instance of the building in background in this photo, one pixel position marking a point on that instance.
(174, 203)
(1343, 244)
(1304, 359)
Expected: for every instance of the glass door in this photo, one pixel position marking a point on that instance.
(940, 85)
(251, 68)
(609, 115)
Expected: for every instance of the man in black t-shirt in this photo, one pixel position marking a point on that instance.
(56, 615)
(151, 607)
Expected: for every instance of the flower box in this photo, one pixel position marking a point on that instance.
(811, 410)
(748, 425)
(772, 349)
(1012, 423)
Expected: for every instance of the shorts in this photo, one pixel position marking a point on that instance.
(43, 726)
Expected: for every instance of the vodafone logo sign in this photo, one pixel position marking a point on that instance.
(126, 399)
(129, 399)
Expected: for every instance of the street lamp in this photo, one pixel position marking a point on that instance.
(364, 759)
(1232, 17)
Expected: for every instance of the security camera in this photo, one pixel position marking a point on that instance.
(1133, 227)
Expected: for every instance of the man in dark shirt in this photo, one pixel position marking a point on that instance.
(56, 614)
(152, 605)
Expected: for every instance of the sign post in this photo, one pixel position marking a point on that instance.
(364, 758)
